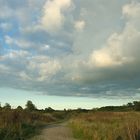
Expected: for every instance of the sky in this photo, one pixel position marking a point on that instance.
(69, 53)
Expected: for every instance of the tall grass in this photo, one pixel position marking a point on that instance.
(21, 124)
(107, 126)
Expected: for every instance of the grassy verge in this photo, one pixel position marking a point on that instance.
(107, 126)
(21, 125)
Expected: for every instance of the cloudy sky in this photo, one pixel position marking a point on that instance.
(70, 53)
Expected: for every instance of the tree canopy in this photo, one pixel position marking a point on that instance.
(30, 106)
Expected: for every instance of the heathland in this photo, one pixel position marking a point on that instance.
(105, 123)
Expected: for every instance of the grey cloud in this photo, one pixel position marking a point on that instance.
(70, 51)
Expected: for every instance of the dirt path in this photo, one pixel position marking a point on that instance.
(55, 132)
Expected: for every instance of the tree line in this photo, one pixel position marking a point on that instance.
(131, 106)
(29, 106)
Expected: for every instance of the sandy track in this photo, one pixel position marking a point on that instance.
(55, 132)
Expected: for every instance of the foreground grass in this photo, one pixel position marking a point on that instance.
(22, 124)
(107, 126)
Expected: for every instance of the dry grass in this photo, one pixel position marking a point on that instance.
(107, 126)
(15, 124)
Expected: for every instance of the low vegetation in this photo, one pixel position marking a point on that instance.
(107, 126)
(108, 123)
(20, 124)
(105, 123)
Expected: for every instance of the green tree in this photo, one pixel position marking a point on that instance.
(30, 106)
(19, 108)
(7, 106)
(130, 104)
(137, 105)
(49, 109)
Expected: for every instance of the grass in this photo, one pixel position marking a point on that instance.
(106, 126)
(21, 124)
(96, 124)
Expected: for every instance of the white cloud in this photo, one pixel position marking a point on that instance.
(118, 50)
(79, 25)
(103, 58)
(45, 47)
(44, 66)
(8, 40)
(5, 12)
(3, 68)
(5, 26)
(38, 68)
(23, 75)
(22, 43)
(53, 17)
(48, 69)
(15, 54)
(121, 47)
(132, 10)
(73, 55)
(117, 58)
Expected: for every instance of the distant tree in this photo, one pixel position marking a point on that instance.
(30, 106)
(19, 108)
(49, 109)
(130, 104)
(7, 106)
(136, 105)
(81, 110)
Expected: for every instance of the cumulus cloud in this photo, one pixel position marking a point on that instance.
(3, 68)
(18, 42)
(24, 76)
(95, 52)
(79, 25)
(53, 14)
(5, 26)
(132, 10)
(18, 69)
(7, 12)
(15, 54)
(43, 68)
(119, 56)
(121, 47)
